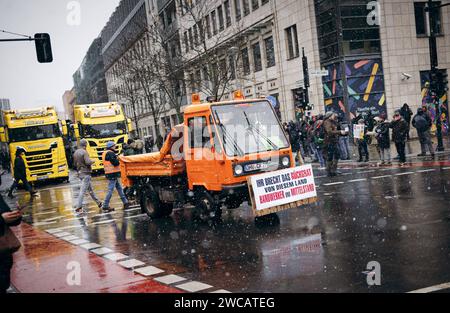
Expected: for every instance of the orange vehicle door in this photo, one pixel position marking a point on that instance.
(201, 164)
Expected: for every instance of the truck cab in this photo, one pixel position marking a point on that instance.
(99, 123)
(207, 160)
(40, 134)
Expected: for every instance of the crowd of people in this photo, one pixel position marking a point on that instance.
(326, 138)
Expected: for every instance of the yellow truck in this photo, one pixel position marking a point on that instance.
(40, 133)
(99, 123)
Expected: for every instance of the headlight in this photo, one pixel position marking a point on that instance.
(238, 170)
(285, 161)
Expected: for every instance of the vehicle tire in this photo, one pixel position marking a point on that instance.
(206, 208)
(152, 206)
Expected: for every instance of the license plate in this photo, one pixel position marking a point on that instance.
(256, 166)
(42, 177)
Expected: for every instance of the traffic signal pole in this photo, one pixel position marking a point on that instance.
(434, 70)
(42, 43)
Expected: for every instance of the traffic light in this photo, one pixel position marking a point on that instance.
(43, 48)
(305, 70)
(441, 82)
(300, 98)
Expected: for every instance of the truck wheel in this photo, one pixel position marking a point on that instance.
(206, 207)
(152, 206)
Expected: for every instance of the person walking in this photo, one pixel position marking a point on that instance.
(344, 140)
(83, 165)
(20, 174)
(331, 142)
(383, 140)
(112, 172)
(422, 123)
(407, 114)
(8, 243)
(399, 135)
(318, 139)
(294, 140)
(128, 148)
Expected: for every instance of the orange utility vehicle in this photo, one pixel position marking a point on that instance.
(206, 160)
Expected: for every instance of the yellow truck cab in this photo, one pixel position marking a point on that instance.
(207, 160)
(99, 123)
(40, 134)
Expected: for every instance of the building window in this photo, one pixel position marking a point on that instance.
(208, 26)
(257, 57)
(237, 9)
(245, 61)
(422, 21)
(255, 5)
(220, 14)
(226, 6)
(232, 67)
(246, 7)
(186, 41)
(292, 42)
(263, 2)
(214, 22)
(270, 52)
(191, 38)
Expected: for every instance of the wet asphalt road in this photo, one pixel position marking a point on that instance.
(399, 217)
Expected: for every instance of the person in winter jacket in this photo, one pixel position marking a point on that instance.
(20, 174)
(331, 142)
(422, 122)
(383, 140)
(399, 135)
(406, 113)
(363, 148)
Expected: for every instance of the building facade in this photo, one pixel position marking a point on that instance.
(89, 80)
(69, 100)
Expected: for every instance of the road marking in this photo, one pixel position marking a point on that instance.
(52, 219)
(364, 172)
(194, 286)
(44, 213)
(89, 246)
(357, 180)
(446, 168)
(335, 183)
(130, 264)
(170, 279)
(115, 257)
(104, 222)
(149, 271)
(131, 210)
(70, 227)
(379, 177)
(221, 291)
(135, 216)
(426, 171)
(63, 234)
(69, 238)
(405, 173)
(432, 288)
(53, 230)
(44, 223)
(79, 242)
(102, 251)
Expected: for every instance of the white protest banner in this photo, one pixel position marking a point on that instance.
(280, 190)
(358, 131)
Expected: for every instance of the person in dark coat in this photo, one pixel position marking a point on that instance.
(7, 219)
(331, 142)
(399, 135)
(407, 114)
(383, 140)
(422, 122)
(20, 174)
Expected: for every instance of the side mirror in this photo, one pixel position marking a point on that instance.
(76, 131)
(64, 128)
(129, 125)
(2, 134)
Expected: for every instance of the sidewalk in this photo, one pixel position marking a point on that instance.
(42, 265)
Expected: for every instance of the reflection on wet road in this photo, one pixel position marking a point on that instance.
(398, 217)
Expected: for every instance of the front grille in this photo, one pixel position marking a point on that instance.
(49, 160)
(32, 153)
(39, 168)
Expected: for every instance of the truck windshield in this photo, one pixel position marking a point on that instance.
(246, 128)
(103, 130)
(34, 133)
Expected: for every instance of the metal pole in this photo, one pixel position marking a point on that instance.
(434, 68)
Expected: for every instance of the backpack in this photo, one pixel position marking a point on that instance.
(319, 134)
(420, 123)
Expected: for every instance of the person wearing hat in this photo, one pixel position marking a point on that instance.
(331, 142)
(112, 172)
(422, 123)
(383, 140)
(83, 164)
(20, 174)
(399, 135)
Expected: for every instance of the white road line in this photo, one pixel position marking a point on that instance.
(379, 177)
(332, 184)
(446, 168)
(432, 288)
(405, 173)
(131, 210)
(364, 172)
(104, 222)
(194, 286)
(44, 223)
(357, 180)
(44, 213)
(426, 171)
(135, 216)
(70, 227)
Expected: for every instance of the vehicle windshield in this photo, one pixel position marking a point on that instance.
(103, 130)
(246, 128)
(34, 133)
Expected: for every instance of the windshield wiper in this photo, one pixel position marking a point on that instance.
(226, 134)
(260, 134)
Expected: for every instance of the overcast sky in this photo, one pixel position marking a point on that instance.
(23, 80)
